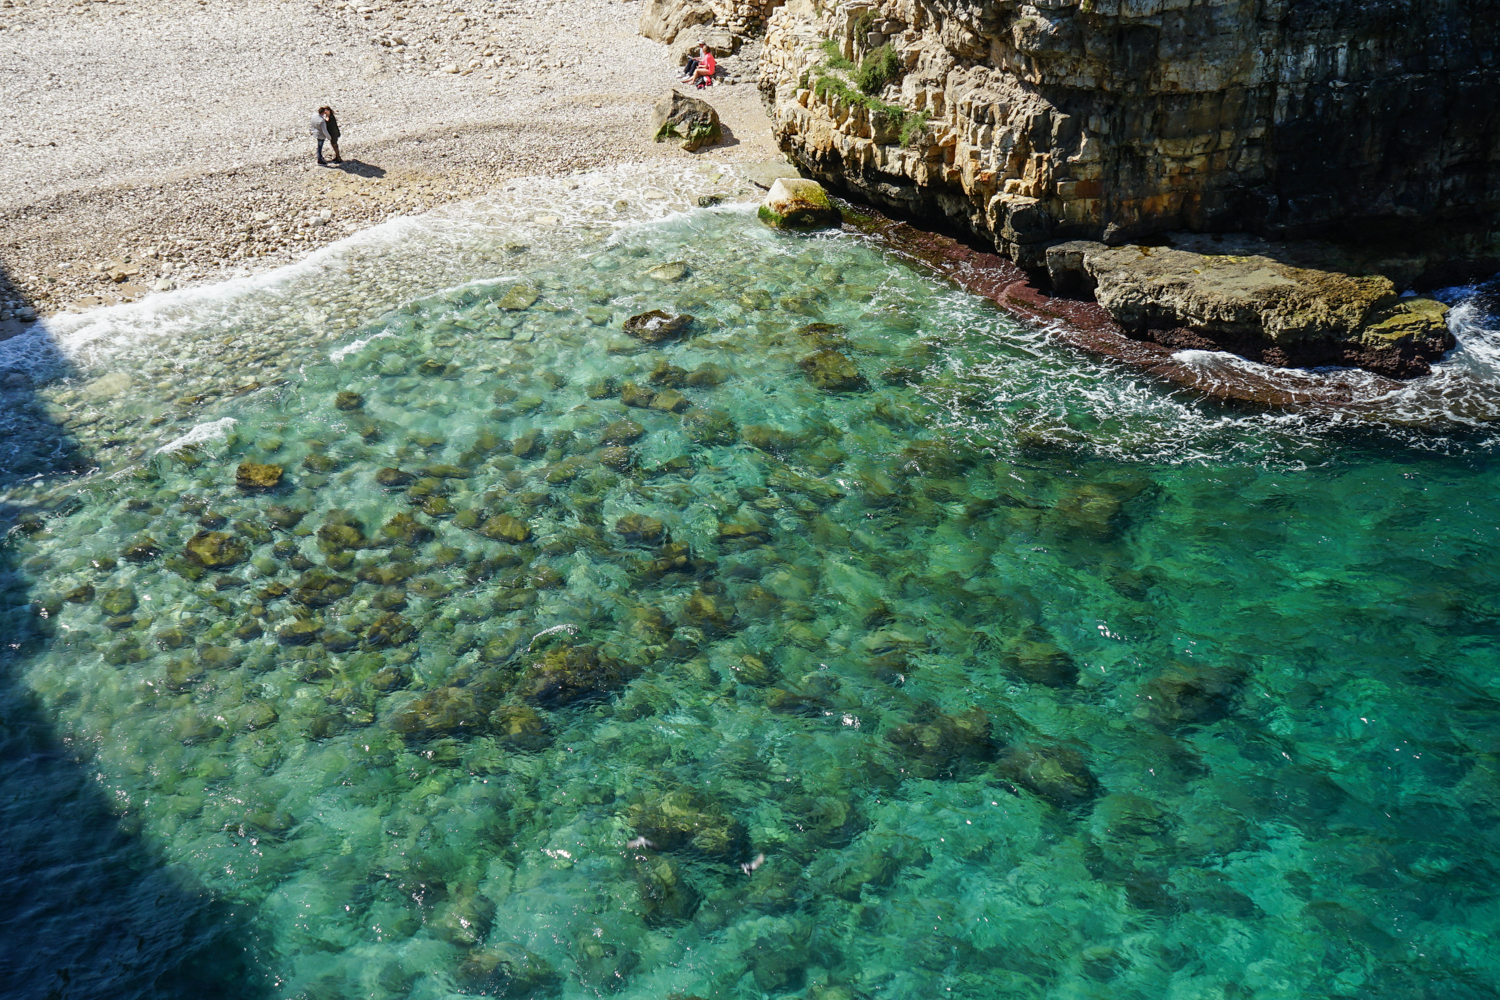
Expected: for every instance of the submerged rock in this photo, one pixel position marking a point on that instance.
(284, 517)
(666, 895)
(521, 727)
(685, 819)
(518, 298)
(301, 632)
(504, 528)
(641, 528)
(507, 970)
(832, 371)
(119, 601)
(1188, 694)
(142, 550)
(566, 674)
(216, 550)
(621, 432)
(657, 327)
(937, 745)
(394, 478)
(253, 476)
(319, 588)
(348, 401)
(1039, 662)
(798, 203)
(443, 710)
(1057, 774)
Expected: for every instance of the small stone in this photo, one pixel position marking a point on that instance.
(301, 632)
(518, 298)
(504, 528)
(119, 601)
(319, 588)
(621, 432)
(349, 401)
(255, 476)
(670, 401)
(831, 371)
(80, 595)
(216, 549)
(656, 326)
(675, 271)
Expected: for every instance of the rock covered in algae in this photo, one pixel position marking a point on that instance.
(504, 528)
(518, 298)
(1188, 694)
(656, 326)
(689, 119)
(832, 371)
(216, 549)
(666, 895)
(319, 588)
(441, 710)
(301, 632)
(641, 528)
(1039, 662)
(520, 727)
(253, 476)
(119, 601)
(938, 745)
(566, 674)
(798, 203)
(1058, 774)
(507, 970)
(348, 401)
(685, 819)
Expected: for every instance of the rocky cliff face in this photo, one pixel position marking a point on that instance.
(667, 20)
(1114, 119)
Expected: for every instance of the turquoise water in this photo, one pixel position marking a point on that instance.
(993, 672)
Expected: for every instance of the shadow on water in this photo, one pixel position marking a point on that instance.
(90, 910)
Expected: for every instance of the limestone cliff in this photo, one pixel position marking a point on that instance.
(1110, 120)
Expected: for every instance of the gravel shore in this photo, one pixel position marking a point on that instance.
(148, 145)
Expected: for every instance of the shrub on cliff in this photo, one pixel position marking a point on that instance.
(878, 69)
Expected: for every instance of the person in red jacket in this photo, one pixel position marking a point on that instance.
(703, 73)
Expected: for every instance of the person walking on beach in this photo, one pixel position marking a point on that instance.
(325, 128)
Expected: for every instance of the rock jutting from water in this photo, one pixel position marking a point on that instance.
(798, 203)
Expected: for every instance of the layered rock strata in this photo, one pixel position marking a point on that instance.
(667, 20)
(1113, 119)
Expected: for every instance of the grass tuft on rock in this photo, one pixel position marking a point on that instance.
(877, 69)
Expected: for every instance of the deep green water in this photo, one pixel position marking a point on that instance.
(1006, 673)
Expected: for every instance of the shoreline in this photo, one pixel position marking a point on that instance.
(134, 219)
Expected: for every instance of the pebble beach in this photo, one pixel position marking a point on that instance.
(150, 146)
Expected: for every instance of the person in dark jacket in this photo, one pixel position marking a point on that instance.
(325, 128)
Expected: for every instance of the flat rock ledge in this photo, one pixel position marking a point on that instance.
(1086, 325)
(1276, 312)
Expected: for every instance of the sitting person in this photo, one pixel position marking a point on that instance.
(692, 64)
(703, 73)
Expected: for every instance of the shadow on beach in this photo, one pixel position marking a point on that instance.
(91, 911)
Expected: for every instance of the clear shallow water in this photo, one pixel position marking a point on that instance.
(1005, 672)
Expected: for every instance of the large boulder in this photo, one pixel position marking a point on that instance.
(677, 116)
(664, 20)
(798, 203)
(1294, 311)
